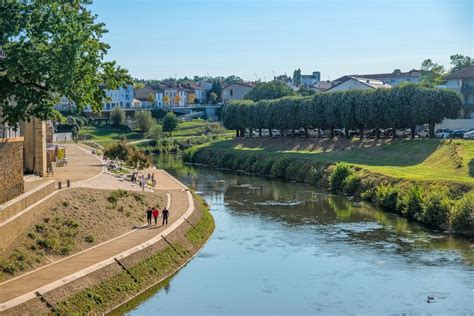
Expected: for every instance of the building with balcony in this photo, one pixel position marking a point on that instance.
(462, 81)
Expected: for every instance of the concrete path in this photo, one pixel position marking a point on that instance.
(19, 289)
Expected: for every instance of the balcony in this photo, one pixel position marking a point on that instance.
(467, 89)
(9, 132)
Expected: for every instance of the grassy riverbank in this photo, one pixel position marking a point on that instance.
(146, 272)
(403, 176)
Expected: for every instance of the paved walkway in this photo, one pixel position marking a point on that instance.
(11, 291)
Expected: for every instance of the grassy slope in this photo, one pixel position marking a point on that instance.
(195, 128)
(417, 159)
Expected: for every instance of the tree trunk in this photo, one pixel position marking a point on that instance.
(260, 132)
(319, 133)
(412, 132)
(394, 133)
(270, 132)
(377, 133)
(242, 132)
(361, 133)
(332, 133)
(432, 130)
(346, 133)
(281, 133)
(237, 133)
(306, 132)
(293, 133)
(251, 132)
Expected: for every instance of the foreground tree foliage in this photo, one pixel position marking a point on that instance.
(52, 49)
(401, 107)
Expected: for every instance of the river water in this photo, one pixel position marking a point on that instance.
(292, 249)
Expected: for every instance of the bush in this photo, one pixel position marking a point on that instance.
(350, 184)
(170, 122)
(313, 175)
(462, 215)
(144, 120)
(279, 167)
(117, 116)
(436, 208)
(337, 177)
(89, 239)
(368, 195)
(386, 196)
(410, 202)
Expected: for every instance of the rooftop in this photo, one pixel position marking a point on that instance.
(464, 73)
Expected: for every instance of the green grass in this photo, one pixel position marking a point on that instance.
(107, 135)
(422, 160)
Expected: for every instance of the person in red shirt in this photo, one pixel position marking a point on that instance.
(155, 214)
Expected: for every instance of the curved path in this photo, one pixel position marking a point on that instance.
(22, 288)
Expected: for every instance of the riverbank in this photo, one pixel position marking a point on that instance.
(428, 181)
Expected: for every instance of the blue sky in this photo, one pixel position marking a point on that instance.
(156, 39)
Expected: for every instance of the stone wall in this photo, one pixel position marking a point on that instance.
(11, 168)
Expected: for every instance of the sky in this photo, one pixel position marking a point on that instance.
(254, 39)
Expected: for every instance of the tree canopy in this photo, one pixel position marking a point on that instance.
(52, 49)
(145, 120)
(170, 122)
(400, 107)
(269, 90)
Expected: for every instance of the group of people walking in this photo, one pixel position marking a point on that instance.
(154, 213)
(142, 180)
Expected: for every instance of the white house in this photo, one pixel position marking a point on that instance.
(462, 82)
(394, 78)
(142, 96)
(351, 83)
(235, 91)
(122, 97)
(199, 92)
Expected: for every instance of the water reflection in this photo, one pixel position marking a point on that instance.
(285, 248)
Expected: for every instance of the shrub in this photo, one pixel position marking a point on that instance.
(387, 196)
(410, 202)
(351, 183)
(313, 175)
(337, 177)
(436, 208)
(89, 239)
(462, 217)
(368, 195)
(279, 167)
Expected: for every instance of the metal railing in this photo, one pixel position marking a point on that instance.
(9, 132)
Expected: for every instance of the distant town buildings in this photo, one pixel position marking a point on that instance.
(394, 78)
(350, 83)
(310, 80)
(462, 81)
(235, 91)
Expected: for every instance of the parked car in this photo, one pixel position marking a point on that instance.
(338, 132)
(469, 135)
(389, 132)
(373, 132)
(276, 133)
(424, 133)
(457, 134)
(443, 132)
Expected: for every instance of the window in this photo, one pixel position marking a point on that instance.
(127, 105)
(107, 106)
(231, 92)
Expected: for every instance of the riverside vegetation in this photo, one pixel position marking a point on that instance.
(427, 181)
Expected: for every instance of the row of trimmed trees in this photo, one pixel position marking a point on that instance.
(402, 107)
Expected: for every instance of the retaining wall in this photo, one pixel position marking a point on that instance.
(11, 168)
(16, 215)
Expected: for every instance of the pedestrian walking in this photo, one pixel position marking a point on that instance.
(165, 213)
(142, 182)
(153, 181)
(149, 213)
(155, 215)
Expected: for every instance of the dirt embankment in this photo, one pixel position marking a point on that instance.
(74, 220)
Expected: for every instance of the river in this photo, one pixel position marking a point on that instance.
(287, 248)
